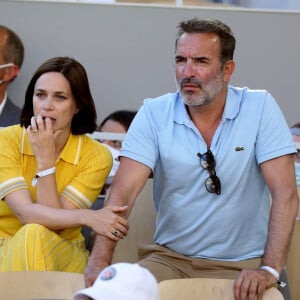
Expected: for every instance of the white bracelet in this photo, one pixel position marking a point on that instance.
(42, 174)
(271, 270)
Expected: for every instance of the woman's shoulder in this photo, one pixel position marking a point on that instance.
(12, 139)
(94, 145)
(13, 131)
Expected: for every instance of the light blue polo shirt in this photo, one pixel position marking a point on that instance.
(191, 221)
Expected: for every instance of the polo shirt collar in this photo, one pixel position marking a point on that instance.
(181, 115)
(233, 103)
(70, 153)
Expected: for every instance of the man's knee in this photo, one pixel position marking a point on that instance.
(160, 270)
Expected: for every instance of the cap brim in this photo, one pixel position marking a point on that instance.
(90, 292)
(99, 293)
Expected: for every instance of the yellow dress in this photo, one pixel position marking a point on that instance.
(81, 171)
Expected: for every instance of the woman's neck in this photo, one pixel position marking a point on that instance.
(60, 142)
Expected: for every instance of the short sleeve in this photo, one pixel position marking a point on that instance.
(89, 175)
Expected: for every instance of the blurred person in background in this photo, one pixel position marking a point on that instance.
(116, 122)
(11, 59)
(295, 130)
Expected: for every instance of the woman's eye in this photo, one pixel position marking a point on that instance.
(39, 95)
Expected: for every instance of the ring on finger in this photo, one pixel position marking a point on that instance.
(115, 232)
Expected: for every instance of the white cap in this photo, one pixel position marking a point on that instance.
(122, 281)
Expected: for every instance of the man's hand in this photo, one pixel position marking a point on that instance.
(253, 283)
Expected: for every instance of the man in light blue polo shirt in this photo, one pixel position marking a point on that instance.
(215, 152)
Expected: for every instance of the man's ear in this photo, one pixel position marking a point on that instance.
(228, 70)
(10, 73)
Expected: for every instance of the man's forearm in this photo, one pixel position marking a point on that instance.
(100, 258)
(281, 225)
(102, 251)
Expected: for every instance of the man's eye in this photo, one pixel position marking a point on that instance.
(201, 61)
(179, 59)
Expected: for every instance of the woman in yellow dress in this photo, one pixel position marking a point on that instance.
(50, 174)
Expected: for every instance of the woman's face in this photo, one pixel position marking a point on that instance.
(113, 127)
(53, 98)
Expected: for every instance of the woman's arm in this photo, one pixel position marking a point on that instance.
(103, 221)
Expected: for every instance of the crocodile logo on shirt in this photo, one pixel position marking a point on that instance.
(239, 149)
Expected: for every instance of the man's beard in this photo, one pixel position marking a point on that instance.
(208, 91)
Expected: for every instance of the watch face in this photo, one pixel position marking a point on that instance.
(34, 180)
(42, 174)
